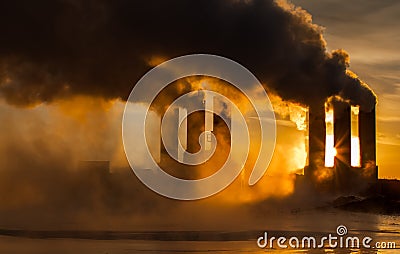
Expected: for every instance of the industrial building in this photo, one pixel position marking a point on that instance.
(342, 147)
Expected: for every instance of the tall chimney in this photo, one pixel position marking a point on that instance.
(342, 127)
(367, 132)
(343, 175)
(316, 155)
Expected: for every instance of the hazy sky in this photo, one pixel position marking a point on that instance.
(74, 57)
(68, 66)
(369, 32)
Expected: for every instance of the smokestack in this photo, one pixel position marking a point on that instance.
(342, 142)
(342, 127)
(316, 141)
(206, 120)
(367, 132)
(346, 177)
(176, 124)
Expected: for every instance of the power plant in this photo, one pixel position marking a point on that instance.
(342, 147)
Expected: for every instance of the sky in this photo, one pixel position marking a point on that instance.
(67, 68)
(369, 32)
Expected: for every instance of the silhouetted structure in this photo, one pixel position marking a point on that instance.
(344, 176)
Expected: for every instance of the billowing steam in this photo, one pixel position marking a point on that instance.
(78, 61)
(54, 49)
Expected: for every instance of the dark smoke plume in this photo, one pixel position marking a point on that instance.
(55, 49)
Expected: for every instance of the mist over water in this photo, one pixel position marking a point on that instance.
(311, 223)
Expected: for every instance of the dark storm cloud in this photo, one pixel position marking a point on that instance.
(52, 49)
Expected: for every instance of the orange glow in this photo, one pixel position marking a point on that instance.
(156, 60)
(330, 150)
(355, 140)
